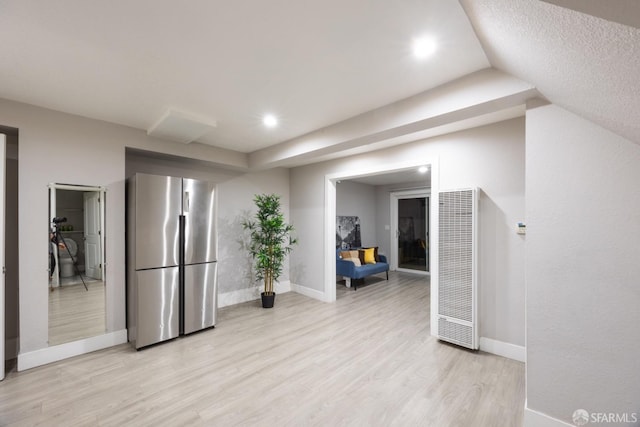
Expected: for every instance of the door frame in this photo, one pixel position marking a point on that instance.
(329, 294)
(394, 197)
(3, 160)
(100, 196)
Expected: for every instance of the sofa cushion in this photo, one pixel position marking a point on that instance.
(349, 254)
(369, 257)
(355, 261)
(375, 254)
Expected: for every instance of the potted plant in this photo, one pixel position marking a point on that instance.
(270, 242)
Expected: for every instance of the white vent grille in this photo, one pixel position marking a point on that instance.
(457, 275)
(455, 332)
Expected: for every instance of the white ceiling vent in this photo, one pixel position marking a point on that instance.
(180, 127)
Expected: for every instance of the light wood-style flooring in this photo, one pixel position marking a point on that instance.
(75, 312)
(367, 360)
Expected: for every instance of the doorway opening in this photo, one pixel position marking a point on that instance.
(75, 213)
(331, 180)
(9, 238)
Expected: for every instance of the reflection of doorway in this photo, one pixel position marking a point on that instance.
(92, 250)
(410, 231)
(82, 210)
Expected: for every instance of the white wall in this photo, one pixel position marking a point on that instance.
(357, 199)
(235, 203)
(137, 161)
(583, 269)
(58, 147)
(490, 157)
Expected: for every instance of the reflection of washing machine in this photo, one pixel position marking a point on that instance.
(66, 263)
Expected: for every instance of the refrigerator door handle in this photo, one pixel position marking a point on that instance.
(185, 202)
(181, 220)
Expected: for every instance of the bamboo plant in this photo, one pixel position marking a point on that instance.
(270, 239)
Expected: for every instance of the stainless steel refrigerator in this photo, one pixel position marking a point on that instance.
(171, 257)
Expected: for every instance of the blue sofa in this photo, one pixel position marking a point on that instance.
(353, 274)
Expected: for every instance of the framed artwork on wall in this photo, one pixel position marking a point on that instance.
(348, 232)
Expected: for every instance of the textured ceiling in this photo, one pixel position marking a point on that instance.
(588, 65)
(625, 12)
(311, 63)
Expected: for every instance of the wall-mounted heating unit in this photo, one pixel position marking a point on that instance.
(457, 272)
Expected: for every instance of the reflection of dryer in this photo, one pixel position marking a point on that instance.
(66, 263)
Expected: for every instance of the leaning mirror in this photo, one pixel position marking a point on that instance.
(76, 263)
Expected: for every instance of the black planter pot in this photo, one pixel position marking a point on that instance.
(268, 300)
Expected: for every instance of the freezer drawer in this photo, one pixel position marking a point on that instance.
(200, 296)
(157, 305)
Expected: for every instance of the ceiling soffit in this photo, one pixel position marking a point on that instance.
(484, 93)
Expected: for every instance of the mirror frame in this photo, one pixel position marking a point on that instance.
(53, 188)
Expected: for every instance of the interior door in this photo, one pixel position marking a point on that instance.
(92, 249)
(3, 157)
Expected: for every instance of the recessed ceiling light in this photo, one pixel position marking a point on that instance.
(424, 47)
(270, 121)
(423, 169)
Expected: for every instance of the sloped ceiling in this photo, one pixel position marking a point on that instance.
(621, 11)
(579, 61)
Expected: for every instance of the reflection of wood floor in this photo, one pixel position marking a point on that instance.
(75, 313)
(367, 359)
(74, 280)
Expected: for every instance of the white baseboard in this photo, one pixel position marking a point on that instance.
(249, 294)
(239, 296)
(504, 349)
(11, 348)
(64, 351)
(283, 287)
(536, 419)
(308, 292)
